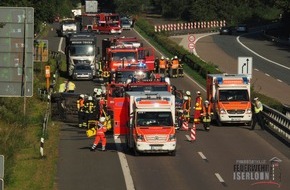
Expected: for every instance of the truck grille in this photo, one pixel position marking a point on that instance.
(236, 111)
(156, 138)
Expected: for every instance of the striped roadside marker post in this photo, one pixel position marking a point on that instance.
(193, 133)
(185, 125)
(41, 146)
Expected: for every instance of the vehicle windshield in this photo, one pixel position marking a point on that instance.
(233, 95)
(122, 76)
(154, 119)
(81, 50)
(118, 56)
(147, 88)
(83, 67)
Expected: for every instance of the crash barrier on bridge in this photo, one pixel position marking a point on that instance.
(277, 123)
(286, 110)
(64, 107)
(189, 26)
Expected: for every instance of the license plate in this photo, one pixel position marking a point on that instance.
(155, 147)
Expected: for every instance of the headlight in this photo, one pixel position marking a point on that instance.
(172, 137)
(248, 111)
(222, 111)
(140, 138)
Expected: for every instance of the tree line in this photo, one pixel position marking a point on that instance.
(246, 11)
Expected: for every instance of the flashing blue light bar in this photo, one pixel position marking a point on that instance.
(245, 80)
(219, 80)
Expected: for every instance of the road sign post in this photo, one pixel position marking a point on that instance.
(245, 65)
(191, 42)
(16, 52)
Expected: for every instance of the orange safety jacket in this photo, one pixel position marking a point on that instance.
(206, 110)
(198, 103)
(80, 104)
(162, 64)
(175, 64)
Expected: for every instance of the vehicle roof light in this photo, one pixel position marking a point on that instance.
(245, 80)
(219, 80)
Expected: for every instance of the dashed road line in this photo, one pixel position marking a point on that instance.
(188, 137)
(202, 155)
(267, 74)
(221, 180)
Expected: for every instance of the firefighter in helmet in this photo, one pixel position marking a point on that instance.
(206, 115)
(90, 111)
(186, 108)
(80, 107)
(100, 136)
(197, 107)
(162, 66)
(174, 67)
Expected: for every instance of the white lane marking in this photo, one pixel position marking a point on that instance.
(219, 177)
(124, 165)
(60, 44)
(267, 74)
(278, 64)
(162, 54)
(202, 155)
(279, 80)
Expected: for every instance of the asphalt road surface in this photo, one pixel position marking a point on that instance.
(209, 163)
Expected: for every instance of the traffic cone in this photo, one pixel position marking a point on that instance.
(193, 133)
(185, 125)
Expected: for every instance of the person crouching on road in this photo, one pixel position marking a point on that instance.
(101, 130)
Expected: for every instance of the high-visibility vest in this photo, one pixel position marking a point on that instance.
(71, 86)
(258, 107)
(206, 110)
(61, 87)
(175, 64)
(162, 64)
(89, 107)
(80, 104)
(198, 103)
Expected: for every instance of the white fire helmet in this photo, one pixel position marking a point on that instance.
(82, 96)
(102, 119)
(175, 57)
(96, 90)
(206, 102)
(198, 93)
(185, 97)
(162, 57)
(90, 98)
(188, 93)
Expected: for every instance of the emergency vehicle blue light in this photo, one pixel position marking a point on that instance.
(245, 80)
(219, 80)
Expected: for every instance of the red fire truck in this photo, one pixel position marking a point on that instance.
(102, 23)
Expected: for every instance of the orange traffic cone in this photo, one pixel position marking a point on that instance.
(185, 125)
(193, 133)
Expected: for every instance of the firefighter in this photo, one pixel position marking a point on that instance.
(162, 66)
(174, 67)
(90, 111)
(186, 108)
(80, 107)
(101, 130)
(206, 115)
(180, 69)
(197, 108)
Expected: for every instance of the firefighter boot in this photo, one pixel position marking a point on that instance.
(103, 148)
(93, 148)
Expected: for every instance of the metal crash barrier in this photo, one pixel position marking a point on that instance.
(277, 123)
(64, 107)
